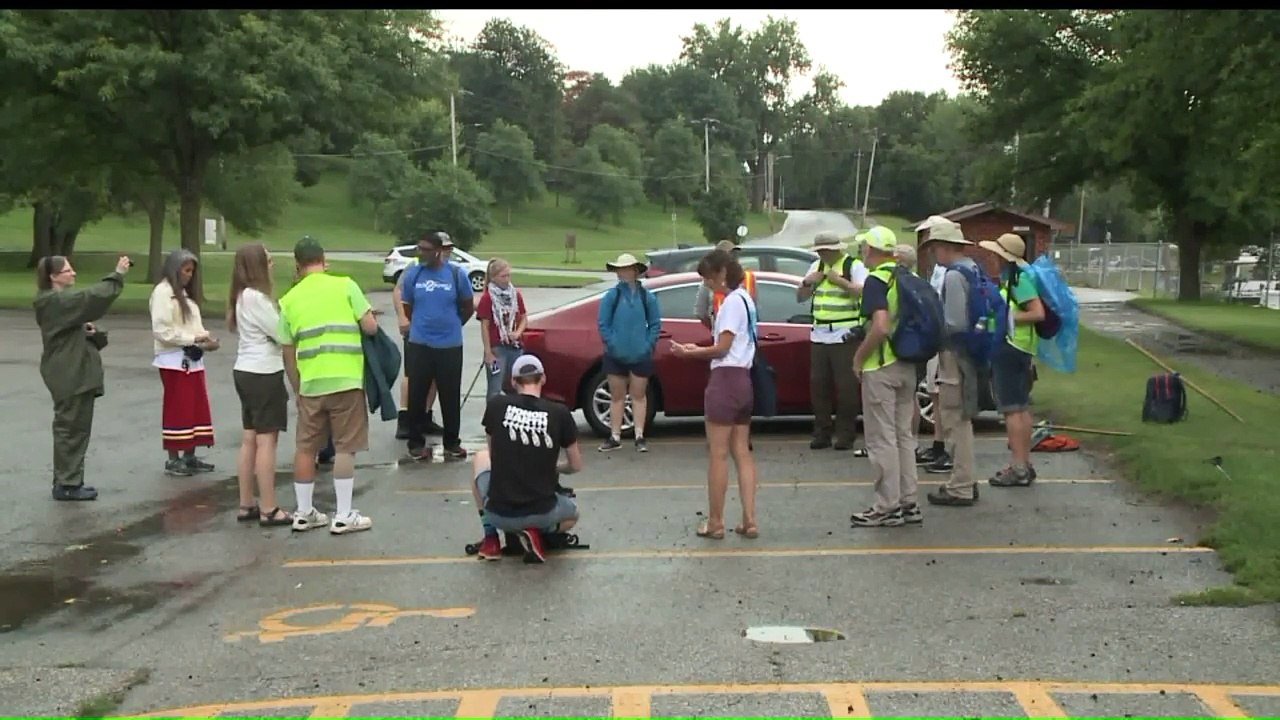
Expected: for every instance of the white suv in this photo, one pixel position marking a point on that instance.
(402, 256)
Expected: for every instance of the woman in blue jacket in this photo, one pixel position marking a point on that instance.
(629, 322)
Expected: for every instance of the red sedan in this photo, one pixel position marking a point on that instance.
(567, 341)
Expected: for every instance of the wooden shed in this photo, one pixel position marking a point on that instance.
(988, 221)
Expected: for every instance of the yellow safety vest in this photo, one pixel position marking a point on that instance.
(833, 307)
(884, 355)
(325, 330)
(1022, 336)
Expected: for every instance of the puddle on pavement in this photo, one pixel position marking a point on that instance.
(791, 635)
(70, 580)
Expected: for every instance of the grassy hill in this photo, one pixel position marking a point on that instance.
(534, 239)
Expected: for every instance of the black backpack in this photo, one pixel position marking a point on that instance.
(1166, 400)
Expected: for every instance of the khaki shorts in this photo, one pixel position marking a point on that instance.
(340, 415)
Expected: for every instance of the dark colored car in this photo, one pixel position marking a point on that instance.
(756, 258)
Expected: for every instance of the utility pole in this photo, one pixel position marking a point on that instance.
(1080, 225)
(871, 168)
(453, 129)
(768, 182)
(857, 181)
(706, 151)
(1013, 184)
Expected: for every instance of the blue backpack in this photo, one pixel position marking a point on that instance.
(1060, 329)
(921, 326)
(988, 314)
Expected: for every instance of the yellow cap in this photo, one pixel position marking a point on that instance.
(880, 238)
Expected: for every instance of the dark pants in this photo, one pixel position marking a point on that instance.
(72, 423)
(831, 369)
(443, 366)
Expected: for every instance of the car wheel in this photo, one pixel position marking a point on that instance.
(477, 281)
(927, 408)
(596, 407)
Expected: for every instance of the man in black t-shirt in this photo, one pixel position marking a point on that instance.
(518, 477)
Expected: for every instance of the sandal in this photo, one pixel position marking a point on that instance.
(747, 531)
(248, 514)
(704, 530)
(276, 518)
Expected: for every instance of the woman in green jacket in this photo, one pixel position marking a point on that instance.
(70, 364)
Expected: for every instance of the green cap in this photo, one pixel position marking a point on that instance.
(308, 250)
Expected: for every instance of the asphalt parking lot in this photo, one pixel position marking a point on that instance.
(1045, 601)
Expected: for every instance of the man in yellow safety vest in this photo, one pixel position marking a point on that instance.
(321, 321)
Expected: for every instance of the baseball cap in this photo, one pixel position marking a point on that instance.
(307, 250)
(437, 238)
(527, 365)
(880, 238)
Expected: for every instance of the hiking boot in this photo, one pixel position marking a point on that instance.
(1014, 477)
(942, 496)
(911, 514)
(430, 427)
(490, 548)
(74, 492)
(874, 518)
(402, 425)
(178, 468)
(534, 552)
(820, 443)
(610, 445)
(196, 465)
(941, 465)
(926, 456)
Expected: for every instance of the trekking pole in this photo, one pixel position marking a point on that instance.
(1194, 386)
(473, 386)
(1216, 461)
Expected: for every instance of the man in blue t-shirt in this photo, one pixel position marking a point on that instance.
(438, 300)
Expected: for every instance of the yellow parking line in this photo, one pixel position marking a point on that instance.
(767, 553)
(844, 699)
(782, 485)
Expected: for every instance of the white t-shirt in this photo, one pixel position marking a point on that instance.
(733, 317)
(857, 275)
(257, 324)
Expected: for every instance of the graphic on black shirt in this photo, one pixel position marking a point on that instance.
(526, 436)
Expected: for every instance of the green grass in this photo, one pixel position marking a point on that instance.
(534, 239)
(17, 285)
(1173, 460)
(1249, 324)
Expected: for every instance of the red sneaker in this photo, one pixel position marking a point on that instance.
(531, 539)
(490, 548)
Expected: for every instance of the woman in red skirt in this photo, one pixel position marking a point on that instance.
(180, 344)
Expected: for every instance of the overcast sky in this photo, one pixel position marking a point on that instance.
(873, 51)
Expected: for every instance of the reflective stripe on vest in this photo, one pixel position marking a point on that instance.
(748, 284)
(832, 306)
(884, 355)
(326, 335)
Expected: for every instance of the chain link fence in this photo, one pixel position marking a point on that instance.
(1144, 268)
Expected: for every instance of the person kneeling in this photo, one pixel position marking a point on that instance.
(517, 480)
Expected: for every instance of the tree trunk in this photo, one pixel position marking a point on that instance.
(757, 182)
(66, 241)
(41, 233)
(1190, 238)
(155, 249)
(508, 214)
(189, 223)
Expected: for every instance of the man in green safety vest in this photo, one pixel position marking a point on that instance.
(321, 321)
(834, 287)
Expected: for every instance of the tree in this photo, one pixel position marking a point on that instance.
(444, 198)
(620, 149)
(511, 73)
(675, 167)
(379, 170)
(600, 190)
(721, 211)
(1147, 97)
(759, 66)
(593, 100)
(504, 158)
(251, 189)
(186, 87)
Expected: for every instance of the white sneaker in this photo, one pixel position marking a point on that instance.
(353, 522)
(309, 521)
